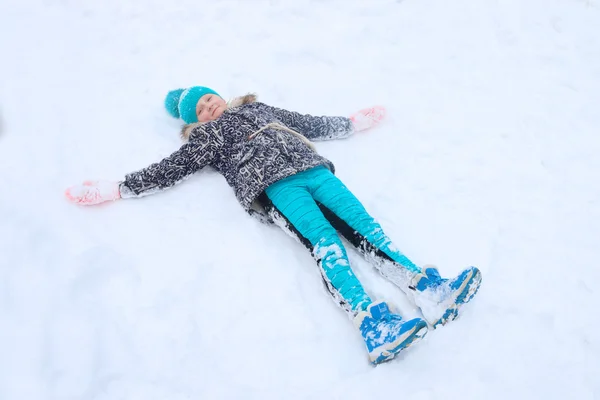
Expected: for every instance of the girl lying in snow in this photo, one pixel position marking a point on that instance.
(266, 156)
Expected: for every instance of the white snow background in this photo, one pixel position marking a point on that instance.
(489, 157)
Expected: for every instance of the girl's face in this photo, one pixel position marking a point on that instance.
(210, 107)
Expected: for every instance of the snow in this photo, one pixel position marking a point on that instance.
(488, 157)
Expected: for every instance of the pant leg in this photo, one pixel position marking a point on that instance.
(292, 207)
(349, 217)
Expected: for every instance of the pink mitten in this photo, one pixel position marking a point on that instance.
(367, 118)
(93, 192)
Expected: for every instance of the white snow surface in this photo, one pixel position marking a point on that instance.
(489, 156)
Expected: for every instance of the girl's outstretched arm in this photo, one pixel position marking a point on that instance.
(173, 169)
(328, 128)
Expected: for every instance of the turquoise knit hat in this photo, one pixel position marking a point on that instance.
(181, 103)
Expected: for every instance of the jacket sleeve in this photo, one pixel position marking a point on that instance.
(312, 127)
(191, 157)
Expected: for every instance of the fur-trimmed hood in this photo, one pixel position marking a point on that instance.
(235, 102)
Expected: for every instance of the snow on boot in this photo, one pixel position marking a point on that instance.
(385, 333)
(439, 299)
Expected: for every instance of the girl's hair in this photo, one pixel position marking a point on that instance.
(186, 130)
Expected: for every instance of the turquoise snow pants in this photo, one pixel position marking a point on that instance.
(313, 206)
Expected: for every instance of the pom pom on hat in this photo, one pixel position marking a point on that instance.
(172, 102)
(181, 103)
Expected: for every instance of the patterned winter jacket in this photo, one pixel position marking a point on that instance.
(251, 144)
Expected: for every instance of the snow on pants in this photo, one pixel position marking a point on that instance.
(312, 206)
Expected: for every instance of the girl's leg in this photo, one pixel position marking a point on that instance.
(439, 299)
(291, 206)
(349, 217)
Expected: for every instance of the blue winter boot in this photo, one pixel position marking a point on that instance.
(439, 299)
(386, 334)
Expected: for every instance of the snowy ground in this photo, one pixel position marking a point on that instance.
(489, 158)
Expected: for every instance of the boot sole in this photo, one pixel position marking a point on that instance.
(467, 291)
(409, 338)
